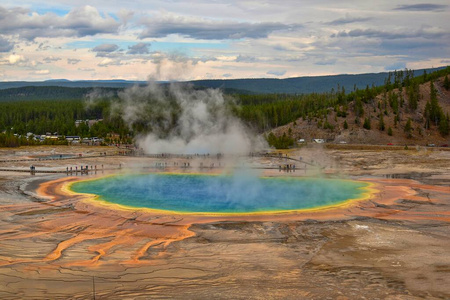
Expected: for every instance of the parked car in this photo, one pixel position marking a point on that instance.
(319, 141)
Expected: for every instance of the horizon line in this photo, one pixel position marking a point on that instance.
(192, 80)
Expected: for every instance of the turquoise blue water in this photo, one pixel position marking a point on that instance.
(220, 194)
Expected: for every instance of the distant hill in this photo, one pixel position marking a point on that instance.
(296, 85)
(67, 93)
(302, 85)
(72, 84)
(49, 93)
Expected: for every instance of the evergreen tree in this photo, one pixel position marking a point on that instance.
(427, 116)
(327, 125)
(345, 124)
(367, 94)
(400, 97)
(413, 96)
(444, 126)
(359, 110)
(408, 128)
(387, 83)
(393, 102)
(390, 131)
(275, 119)
(282, 142)
(446, 83)
(367, 124)
(435, 110)
(381, 124)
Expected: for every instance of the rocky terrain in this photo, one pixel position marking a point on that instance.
(356, 134)
(393, 246)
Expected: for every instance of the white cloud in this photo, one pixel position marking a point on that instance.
(79, 22)
(16, 59)
(208, 29)
(86, 69)
(105, 48)
(139, 48)
(51, 59)
(109, 61)
(125, 15)
(41, 72)
(73, 61)
(105, 62)
(219, 39)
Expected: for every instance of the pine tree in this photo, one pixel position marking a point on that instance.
(435, 110)
(446, 83)
(275, 119)
(427, 114)
(345, 124)
(367, 124)
(390, 131)
(444, 126)
(400, 97)
(393, 102)
(413, 96)
(408, 128)
(359, 110)
(387, 82)
(367, 94)
(381, 124)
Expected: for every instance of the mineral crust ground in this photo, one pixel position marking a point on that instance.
(392, 245)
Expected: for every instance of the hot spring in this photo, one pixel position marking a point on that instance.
(216, 194)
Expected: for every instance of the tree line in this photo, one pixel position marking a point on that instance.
(262, 112)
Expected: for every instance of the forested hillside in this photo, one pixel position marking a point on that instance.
(404, 109)
(71, 84)
(51, 93)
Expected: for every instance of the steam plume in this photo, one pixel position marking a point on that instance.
(180, 119)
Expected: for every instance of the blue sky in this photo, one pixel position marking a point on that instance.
(181, 40)
(189, 48)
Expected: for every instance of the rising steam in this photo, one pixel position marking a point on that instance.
(180, 119)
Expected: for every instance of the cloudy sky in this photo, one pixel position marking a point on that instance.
(185, 40)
